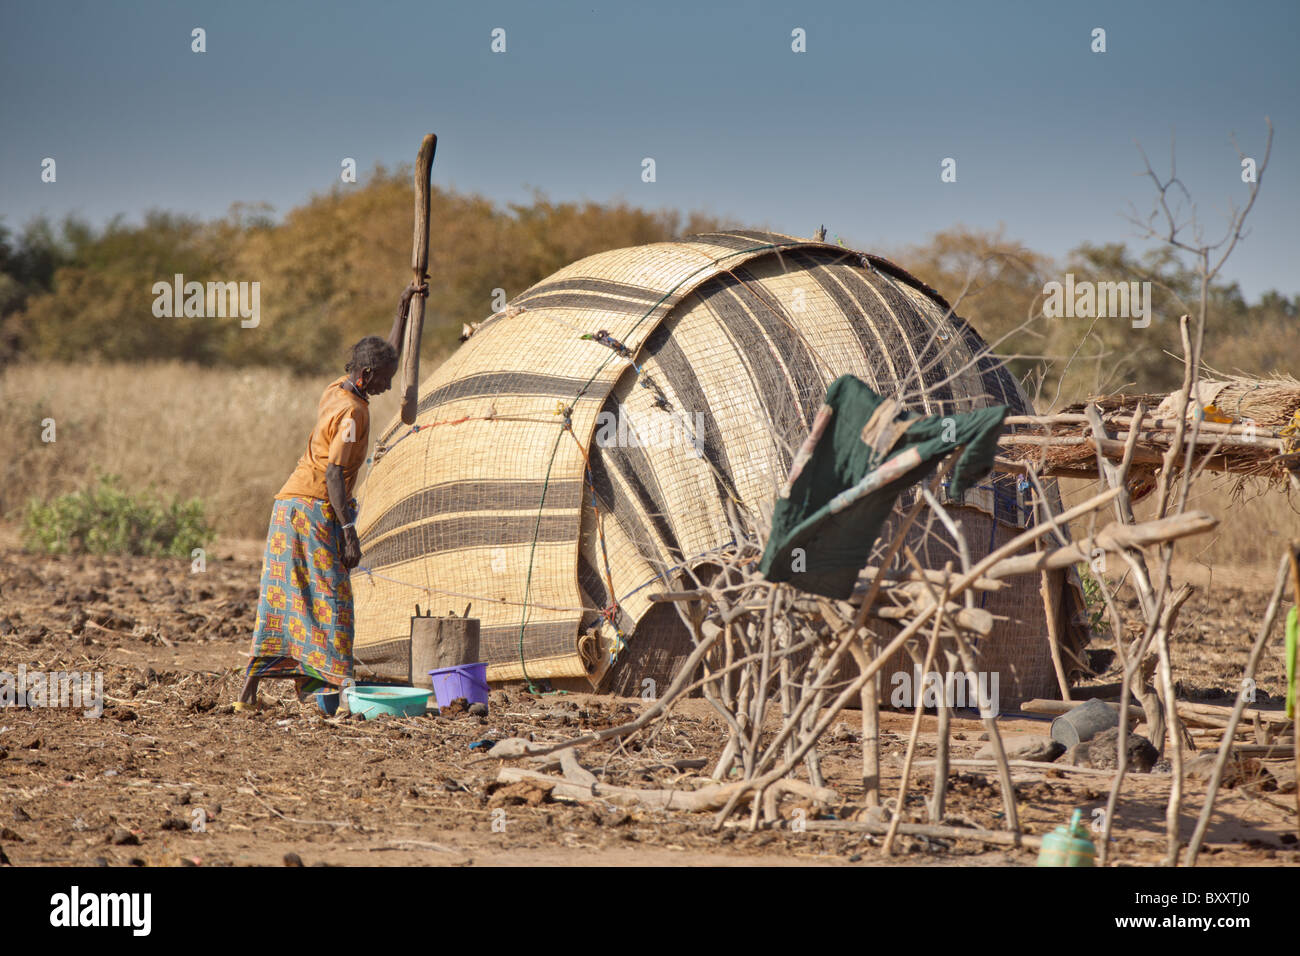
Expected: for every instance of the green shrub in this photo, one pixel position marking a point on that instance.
(105, 519)
(1098, 616)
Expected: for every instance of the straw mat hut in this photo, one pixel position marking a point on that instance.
(620, 418)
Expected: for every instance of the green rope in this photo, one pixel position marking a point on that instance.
(532, 550)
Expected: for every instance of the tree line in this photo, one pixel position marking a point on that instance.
(330, 271)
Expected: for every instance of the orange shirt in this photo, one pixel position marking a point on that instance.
(341, 436)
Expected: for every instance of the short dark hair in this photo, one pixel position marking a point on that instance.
(371, 352)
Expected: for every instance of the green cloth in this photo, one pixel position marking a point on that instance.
(833, 547)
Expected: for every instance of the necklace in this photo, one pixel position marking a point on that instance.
(351, 387)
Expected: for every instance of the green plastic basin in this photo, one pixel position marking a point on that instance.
(370, 701)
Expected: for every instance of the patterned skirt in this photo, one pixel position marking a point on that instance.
(304, 615)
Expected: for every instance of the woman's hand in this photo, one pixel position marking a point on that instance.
(403, 308)
(351, 555)
(411, 291)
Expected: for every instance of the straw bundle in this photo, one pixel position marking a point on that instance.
(1246, 427)
(1264, 402)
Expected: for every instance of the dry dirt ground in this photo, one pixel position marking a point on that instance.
(170, 775)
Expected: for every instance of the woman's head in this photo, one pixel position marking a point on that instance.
(372, 365)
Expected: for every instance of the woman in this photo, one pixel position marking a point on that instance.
(304, 615)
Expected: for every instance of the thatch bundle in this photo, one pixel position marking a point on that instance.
(1247, 427)
(1267, 402)
(629, 416)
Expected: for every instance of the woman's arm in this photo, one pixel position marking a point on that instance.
(403, 309)
(337, 490)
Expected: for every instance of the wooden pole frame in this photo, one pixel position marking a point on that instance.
(419, 267)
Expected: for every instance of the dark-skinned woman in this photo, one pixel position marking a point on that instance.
(304, 615)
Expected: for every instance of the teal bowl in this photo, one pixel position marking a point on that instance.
(370, 701)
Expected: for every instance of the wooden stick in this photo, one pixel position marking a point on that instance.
(971, 619)
(1113, 537)
(1174, 728)
(916, 721)
(1180, 421)
(939, 789)
(706, 798)
(871, 742)
(990, 721)
(1159, 618)
(1263, 751)
(1261, 638)
(1116, 476)
(909, 575)
(904, 635)
(665, 597)
(1048, 584)
(999, 751)
(1111, 447)
(420, 267)
(1029, 536)
(935, 831)
(1294, 556)
(1147, 420)
(870, 703)
(831, 712)
(809, 735)
(759, 704)
(989, 763)
(1008, 466)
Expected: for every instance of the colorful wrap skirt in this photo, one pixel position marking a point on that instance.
(304, 614)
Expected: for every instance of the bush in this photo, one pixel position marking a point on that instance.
(105, 519)
(1098, 615)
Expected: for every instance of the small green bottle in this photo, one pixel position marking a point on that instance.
(1068, 846)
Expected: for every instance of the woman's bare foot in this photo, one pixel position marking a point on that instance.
(248, 696)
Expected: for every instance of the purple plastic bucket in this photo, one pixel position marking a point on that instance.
(466, 680)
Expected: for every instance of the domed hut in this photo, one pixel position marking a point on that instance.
(609, 427)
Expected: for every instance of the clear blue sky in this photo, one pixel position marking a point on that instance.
(850, 133)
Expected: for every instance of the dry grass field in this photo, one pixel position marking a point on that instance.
(231, 437)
